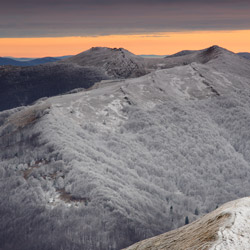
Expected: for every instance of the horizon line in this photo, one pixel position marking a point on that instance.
(141, 44)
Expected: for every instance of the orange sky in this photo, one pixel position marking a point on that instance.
(160, 43)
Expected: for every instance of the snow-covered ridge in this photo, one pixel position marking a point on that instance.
(223, 229)
(126, 160)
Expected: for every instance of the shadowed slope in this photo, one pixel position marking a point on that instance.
(24, 85)
(182, 53)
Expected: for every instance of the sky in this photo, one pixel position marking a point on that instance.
(58, 27)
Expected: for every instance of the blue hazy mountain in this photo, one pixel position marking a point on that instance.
(245, 55)
(29, 61)
(37, 61)
(153, 56)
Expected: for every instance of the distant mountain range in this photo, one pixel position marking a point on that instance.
(37, 61)
(29, 61)
(32, 58)
(245, 55)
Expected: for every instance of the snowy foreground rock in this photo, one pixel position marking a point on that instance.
(225, 228)
(127, 160)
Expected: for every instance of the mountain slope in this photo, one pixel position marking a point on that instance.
(126, 160)
(203, 56)
(225, 228)
(182, 53)
(188, 52)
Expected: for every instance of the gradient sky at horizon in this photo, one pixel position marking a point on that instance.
(35, 28)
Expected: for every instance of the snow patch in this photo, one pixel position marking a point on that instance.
(236, 233)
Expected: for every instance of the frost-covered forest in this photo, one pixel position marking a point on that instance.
(127, 160)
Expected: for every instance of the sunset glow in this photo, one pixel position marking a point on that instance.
(155, 43)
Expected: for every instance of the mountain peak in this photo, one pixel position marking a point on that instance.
(108, 50)
(115, 62)
(213, 52)
(215, 49)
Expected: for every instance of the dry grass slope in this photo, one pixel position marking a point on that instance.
(28, 115)
(199, 235)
